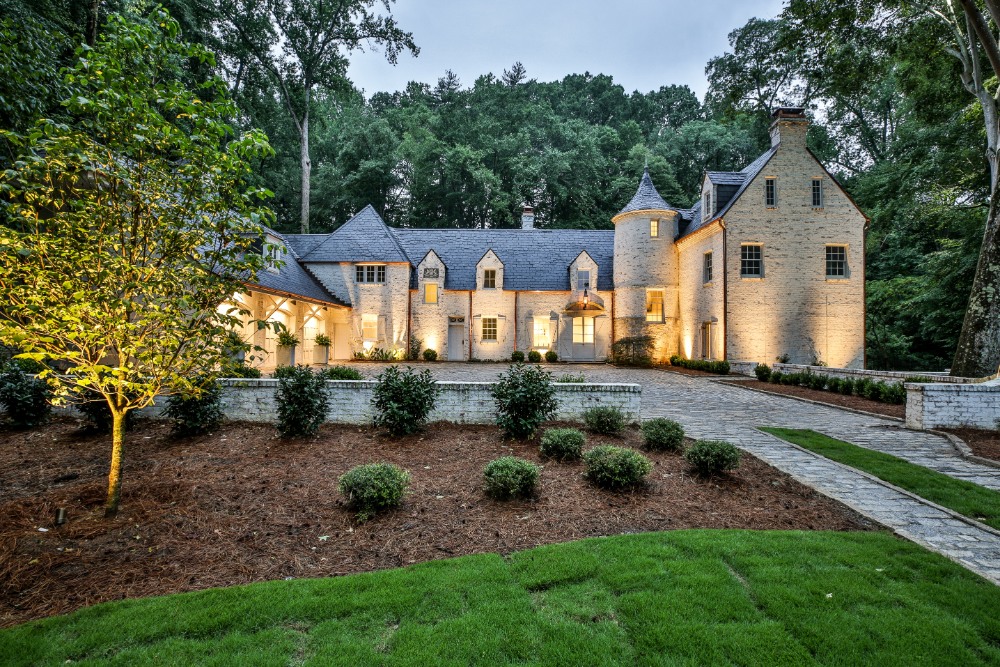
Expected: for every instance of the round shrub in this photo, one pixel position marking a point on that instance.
(847, 387)
(613, 467)
(834, 385)
(524, 397)
(341, 373)
(776, 377)
(402, 401)
(662, 435)
(534, 356)
(710, 457)
(510, 477)
(430, 355)
(374, 487)
(862, 387)
(302, 401)
(517, 356)
(196, 413)
(238, 369)
(551, 356)
(25, 398)
(562, 444)
(817, 382)
(875, 390)
(763, 372)
(894, 393)
(605, 420)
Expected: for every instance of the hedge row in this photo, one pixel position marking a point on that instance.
(717, 367)
(884, 392)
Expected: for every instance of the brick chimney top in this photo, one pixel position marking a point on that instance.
(788, 112)
(528, 218)
(789, 126)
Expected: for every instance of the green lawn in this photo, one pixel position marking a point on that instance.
(678, 598)
(966, 498)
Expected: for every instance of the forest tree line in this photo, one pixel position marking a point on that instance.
(891, 120)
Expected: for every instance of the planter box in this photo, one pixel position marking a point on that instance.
(285, 355)
(321, 354)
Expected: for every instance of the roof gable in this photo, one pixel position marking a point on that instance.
(363, 238)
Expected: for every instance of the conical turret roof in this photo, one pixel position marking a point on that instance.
(646, 198)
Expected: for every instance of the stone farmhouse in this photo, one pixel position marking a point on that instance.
(768, 264)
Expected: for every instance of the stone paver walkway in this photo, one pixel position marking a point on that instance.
(719, 411)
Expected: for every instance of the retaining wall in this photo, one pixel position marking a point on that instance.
(747, 368)
(953, 405)
(459, 402)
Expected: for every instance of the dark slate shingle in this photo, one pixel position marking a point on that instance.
(363, 238)
(646, 198)
(292, 277)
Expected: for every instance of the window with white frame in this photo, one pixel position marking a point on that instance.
(706, 205)
(583, 330)
(836, 261)
(541, 332)
(583, 279)
(654, 228)
(431, 293)
(654, 305)
(770, 192)
(489, 328)
(272, 253)
(751, 261)
(817, 193)
(489, 278)
(706, 276)
(369, 327)
(369, 273)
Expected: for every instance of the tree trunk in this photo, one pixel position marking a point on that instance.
(978, 352)
(115, 474)
(306, 163)
(92, 21)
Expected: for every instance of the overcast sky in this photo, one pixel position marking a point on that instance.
(643, 44)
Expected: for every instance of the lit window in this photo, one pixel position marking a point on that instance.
(431, 293)
(369, 327)
(583, 329)
(707, 273)
(836, 261)
(751, 262)
(541, 332)
(489, 278)
(489, 328)
(369, 273)
(654, 228)
(770, 192)
(654, 306)
(817, 192)
(583, 279)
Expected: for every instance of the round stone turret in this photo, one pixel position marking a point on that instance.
(645, 269)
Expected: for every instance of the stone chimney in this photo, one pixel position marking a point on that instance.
(528, 218)
(789, 126)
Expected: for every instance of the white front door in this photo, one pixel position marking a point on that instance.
(583, 339)
(456, 341)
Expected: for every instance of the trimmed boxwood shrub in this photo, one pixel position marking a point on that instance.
(373, 487)
(302, 401)
(817, 382)
(763, 372)
(510, 477)
(718, 367)
(862, 387)
(517, 356)
(403, 400)
(662, 435)
(562, 444)
(551, 356)
(605, 420)
(430, 355)
(341, 373)
(194, 414)
(776, 377)
(524, 397)
(847, 387)
(834, 385)
(239, 369)
(25, 398)
(535, 357)
(710, 457)
(615, 468)
(894, 393)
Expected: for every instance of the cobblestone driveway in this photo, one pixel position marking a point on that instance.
(709, 409)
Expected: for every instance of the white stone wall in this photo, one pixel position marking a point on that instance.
(429, 320)
(794, 309)
(747, 368)
(701, 302)
(492, 302)
(459, 402)
(953, 405)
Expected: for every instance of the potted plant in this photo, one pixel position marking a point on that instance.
(321, 350)
(286, 348)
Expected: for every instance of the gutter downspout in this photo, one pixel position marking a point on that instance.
(515, 320)
(409, 321)
(469, 326)
(725, 291)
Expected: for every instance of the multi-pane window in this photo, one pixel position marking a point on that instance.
(541, 337)
(369, 273)
(369, 327)
(654, 306)
(489, 328)
(583, 329)
(751, 262)
(836, 261)
(583, 279)
(431, 293)
(817, 193)
(770, 192)
(489, 278)
(654, 228)
(706, 205)
(272, 253)
(707, 270)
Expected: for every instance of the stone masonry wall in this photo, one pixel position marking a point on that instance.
(953, 405)
(459, 402)
(701, 302)
(747, 368)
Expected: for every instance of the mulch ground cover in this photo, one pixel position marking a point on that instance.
(241, 505)
(829, 397)
(985, 443)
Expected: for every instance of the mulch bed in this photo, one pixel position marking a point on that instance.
(828, 397)
(241, 505)
(982, 442)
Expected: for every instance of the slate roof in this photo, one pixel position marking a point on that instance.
(646, 198)
(533, 259)
(726, 177)
(363, 238)
(301, 244)
(293, 277)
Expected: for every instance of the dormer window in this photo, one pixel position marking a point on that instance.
(583, 280)
(489, 278)
(272, 253)
(369, 273)
(706, 205)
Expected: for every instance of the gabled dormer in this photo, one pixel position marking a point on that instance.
(489, 272)
(430, 278)
(583, 273)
